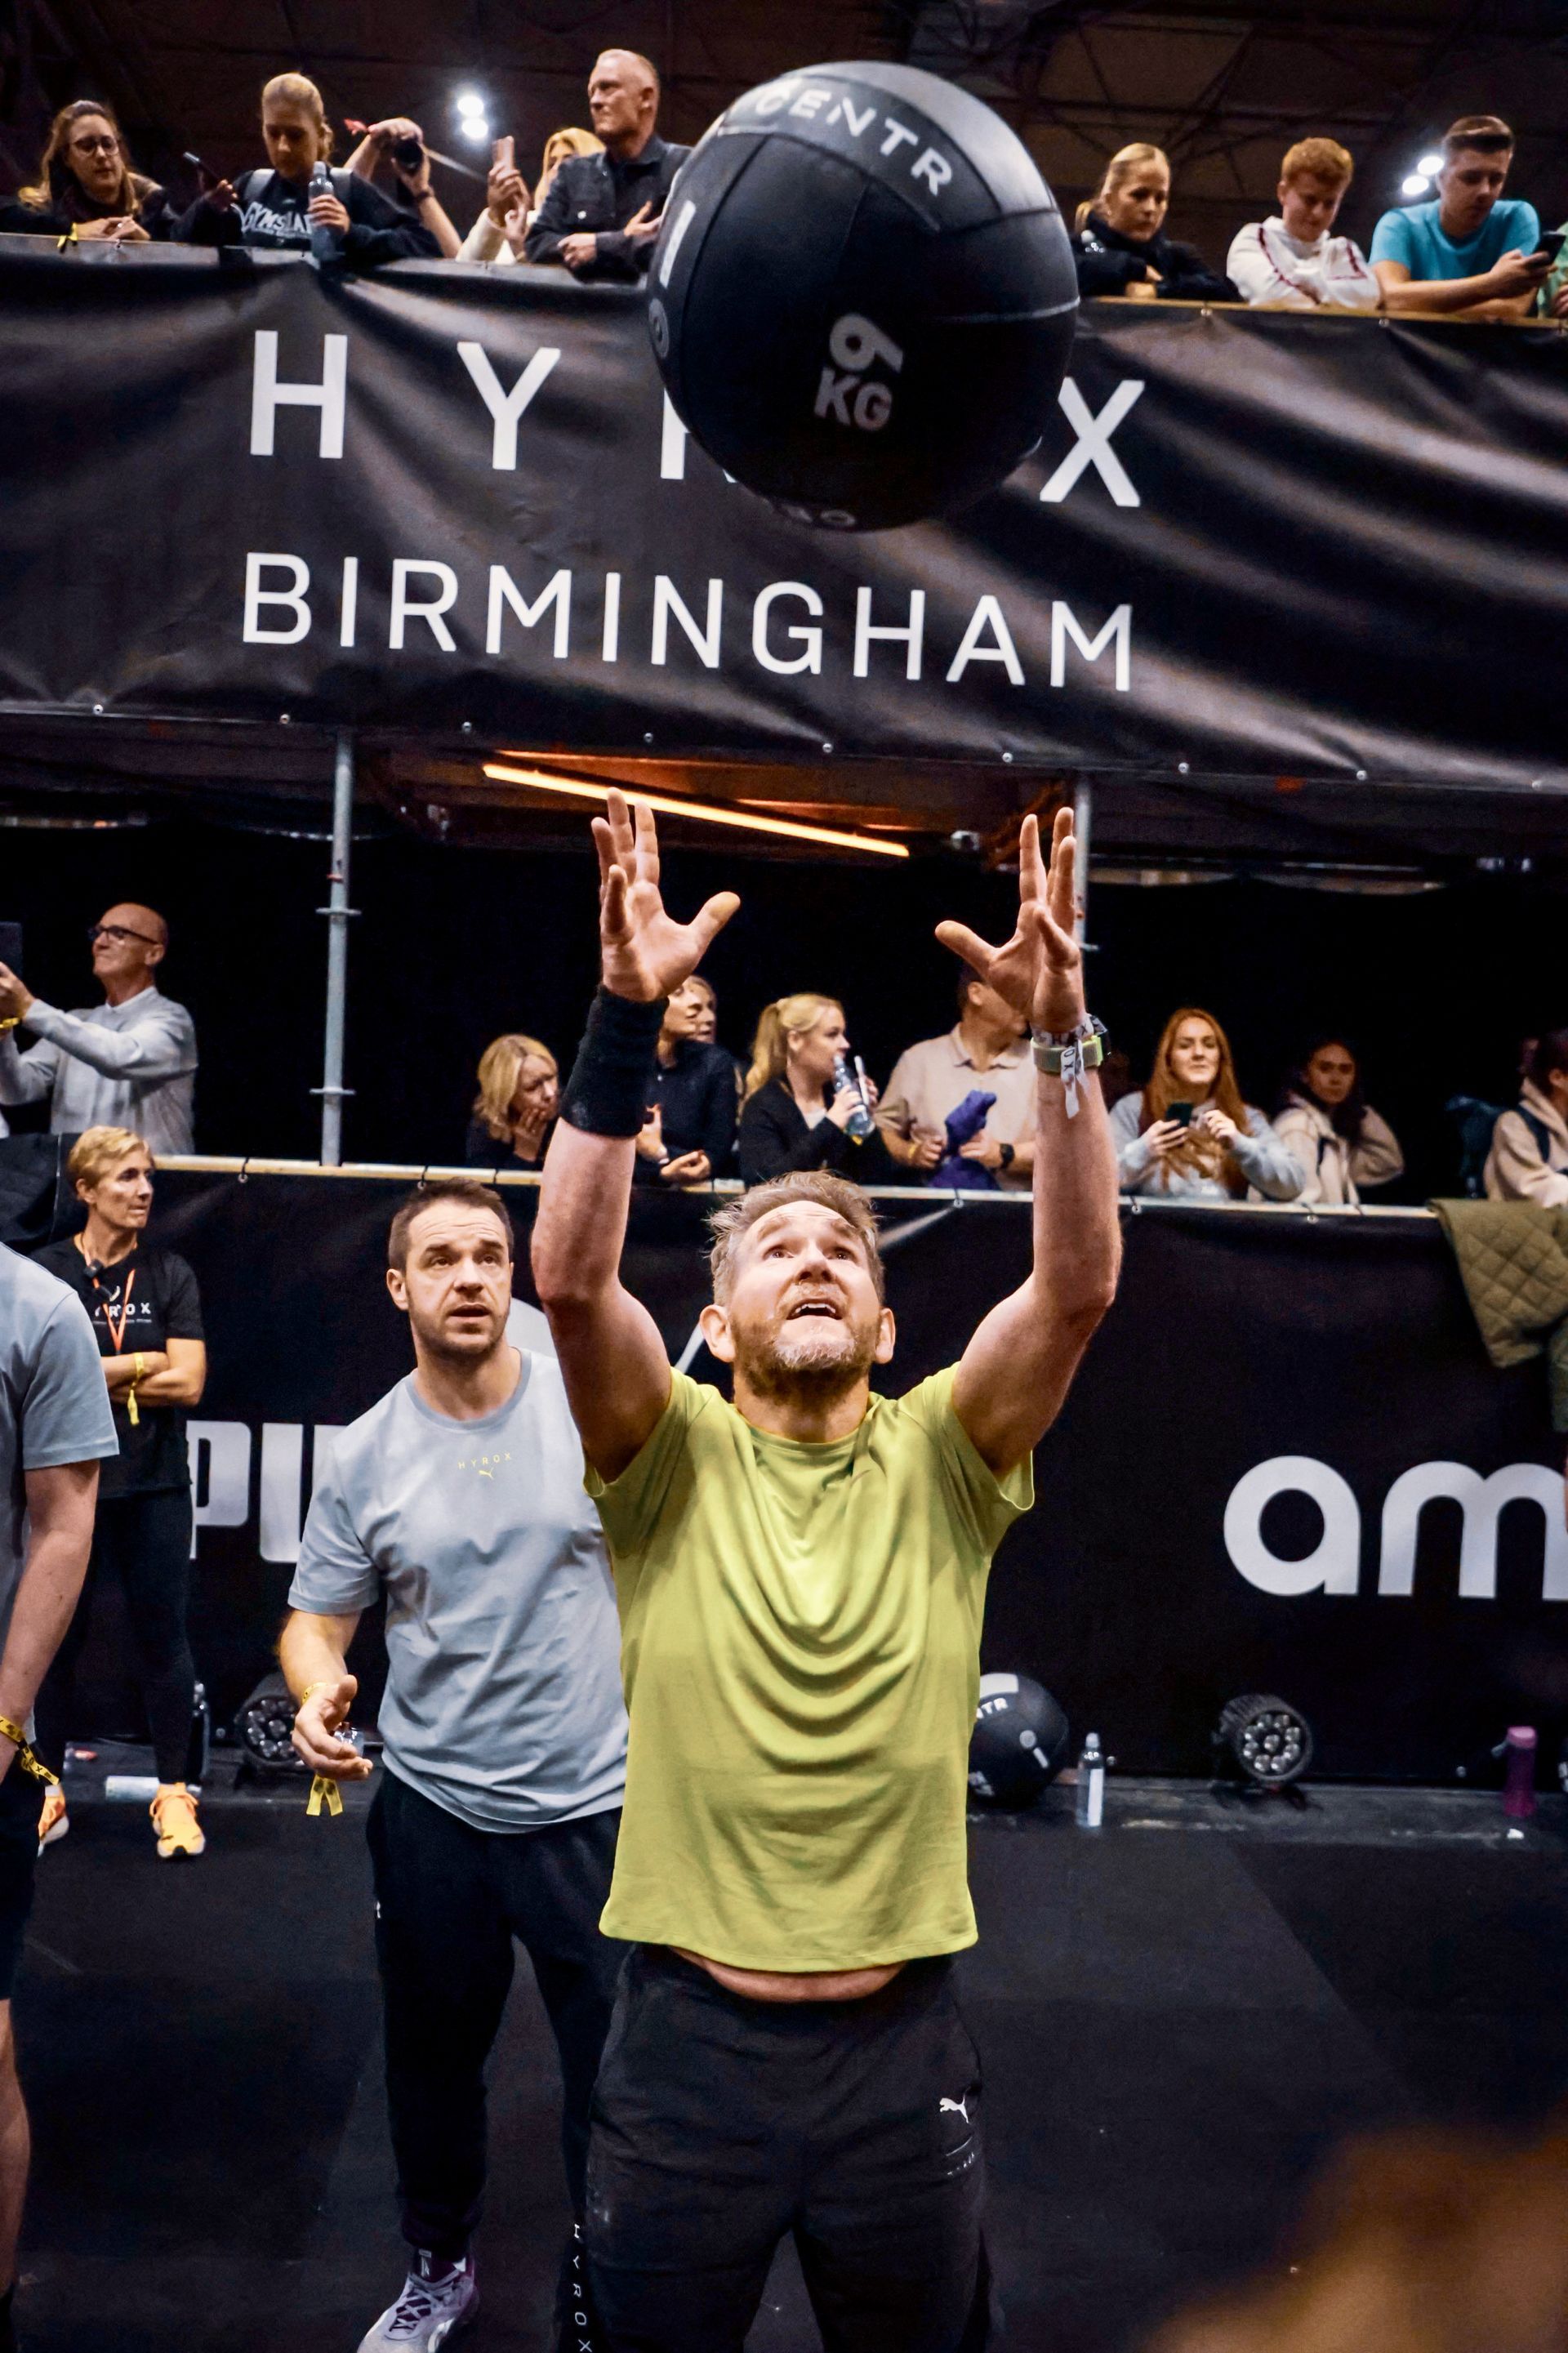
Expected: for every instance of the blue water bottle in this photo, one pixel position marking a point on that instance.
(859, 1123)
(326, 244)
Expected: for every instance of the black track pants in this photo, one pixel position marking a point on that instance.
(449, 1900)
(145, 1542)
(720, 2124)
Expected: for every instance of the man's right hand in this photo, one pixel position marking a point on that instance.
(645, 952)
(580, 249)
(1515, 273)
(317, 1732)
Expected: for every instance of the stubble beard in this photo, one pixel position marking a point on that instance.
(807, 1361)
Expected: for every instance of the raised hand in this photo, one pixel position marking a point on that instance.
(1039, 970)
(645, 952)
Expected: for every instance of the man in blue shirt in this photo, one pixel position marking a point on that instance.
(1470, 249)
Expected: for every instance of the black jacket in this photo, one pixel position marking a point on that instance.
(775, 1140)
(153, 212)
(271, 217)
(1108, 263)
(596, 193)
(696, 1098)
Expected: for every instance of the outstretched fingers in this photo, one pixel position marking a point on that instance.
(1060, 889)
(1031, 865)
(646, 840)
(967, 945)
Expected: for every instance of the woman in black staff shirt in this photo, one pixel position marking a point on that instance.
(274, 210)
(691, 1130)
(146, 1312)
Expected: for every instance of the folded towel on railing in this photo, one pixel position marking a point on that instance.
(1513, 1263)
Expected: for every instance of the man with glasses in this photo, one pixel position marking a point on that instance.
(127, 1062)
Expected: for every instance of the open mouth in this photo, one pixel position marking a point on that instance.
(824, 1307)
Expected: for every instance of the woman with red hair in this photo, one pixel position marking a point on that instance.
(1188, 1135)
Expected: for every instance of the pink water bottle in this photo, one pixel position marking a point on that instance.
(1518, 1774)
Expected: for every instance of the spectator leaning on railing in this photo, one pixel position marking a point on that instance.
(1189, 1135)
(1120, 241)
(602, 213)
(987, 1053)
(1471, 248)
(1292, 261)
(1326, 1122)
(502, 230)
(274, 210)
(690, 1125)
(795, 1114)
(86, 186)
(1529, 1158)
(514, 1111)
(127, 1062)
(400, 141)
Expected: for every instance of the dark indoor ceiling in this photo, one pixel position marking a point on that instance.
(1223, 87)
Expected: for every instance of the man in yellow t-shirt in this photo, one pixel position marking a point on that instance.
(800, 1576)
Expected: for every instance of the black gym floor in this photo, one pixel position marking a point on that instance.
(1177, 2016)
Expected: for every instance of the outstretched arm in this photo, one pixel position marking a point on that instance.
(612, 1358)
(1016, 1370)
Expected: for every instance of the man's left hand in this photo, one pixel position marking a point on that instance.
(1039, 970)
(644, 225)
(16, 997)
(982, 1148)
(579, 249)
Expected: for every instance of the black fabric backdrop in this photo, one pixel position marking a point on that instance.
(1335, 544)
(1238, 1337)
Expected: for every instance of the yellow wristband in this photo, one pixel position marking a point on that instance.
(25, 1757)
(10, 1022)
(141, 1362)
(319, 1684)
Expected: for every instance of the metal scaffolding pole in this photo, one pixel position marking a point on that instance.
(1083, 829)
(333, 1091)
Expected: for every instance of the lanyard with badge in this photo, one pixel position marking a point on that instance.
(117, 1331)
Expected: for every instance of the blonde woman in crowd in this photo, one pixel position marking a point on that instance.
(1120, 241)
(86, 186)
(1188, 1135)
(793, 1114)
(275, 209)
(146, 1316)
(514, 1111)
(498, 234)
(1343, 1147)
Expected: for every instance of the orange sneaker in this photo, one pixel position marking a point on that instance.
(173, 1812)
(54, 1821)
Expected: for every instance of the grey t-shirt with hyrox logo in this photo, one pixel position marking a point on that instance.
(503, 1689)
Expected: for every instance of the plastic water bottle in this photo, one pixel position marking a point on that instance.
(1519, 1773)
(860, 1122)
(1091, 1785)
(326, 244)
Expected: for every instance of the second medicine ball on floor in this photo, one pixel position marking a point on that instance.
(862, 296)
(1019, 1741)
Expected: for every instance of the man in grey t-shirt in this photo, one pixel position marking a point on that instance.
(55, 1427)
(460, 1498)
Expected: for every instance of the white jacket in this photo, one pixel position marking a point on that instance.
(1336, 1169)
(485, 242)
(1269, 267)
(1515, 1169)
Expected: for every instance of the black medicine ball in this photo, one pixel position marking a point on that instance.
(862, 296)
(1019, 1742)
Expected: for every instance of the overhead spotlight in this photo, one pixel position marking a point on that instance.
(1414, 184)
(1263, 1742)
(1431, 165)
(471, 102)
(475, 127)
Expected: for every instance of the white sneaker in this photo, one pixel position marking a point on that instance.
(438, 2302)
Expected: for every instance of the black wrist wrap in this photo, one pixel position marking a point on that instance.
(611, 1084)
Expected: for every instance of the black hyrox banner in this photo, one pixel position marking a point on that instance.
(1285, 1466)
(445, 495)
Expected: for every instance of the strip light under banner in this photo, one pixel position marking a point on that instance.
(701, 812)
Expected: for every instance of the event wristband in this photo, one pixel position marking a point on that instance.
(612, 1079)
(24, 1747)
(319, 1684)
(12, 1021)
(1068, 1057)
